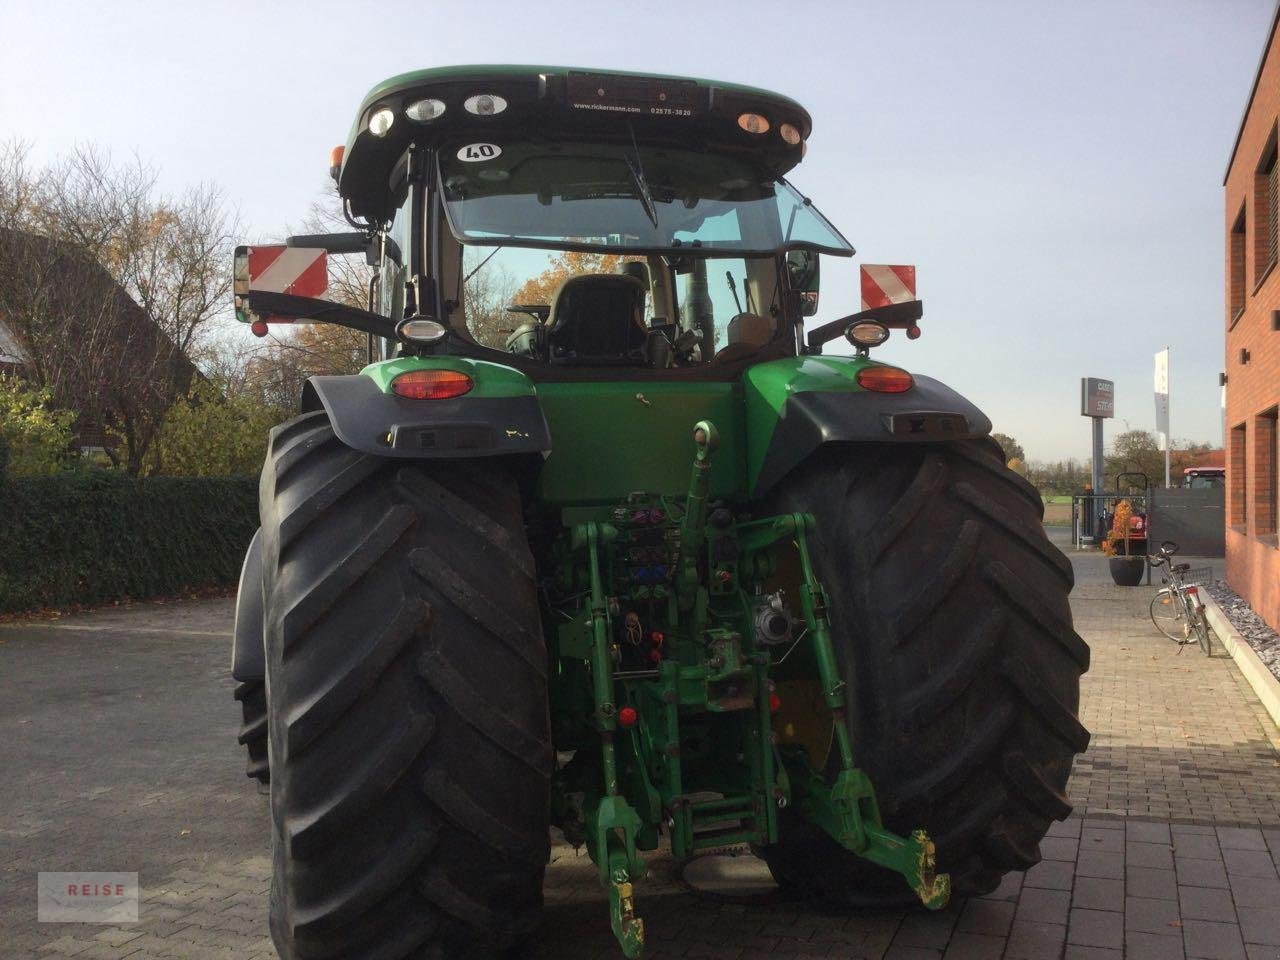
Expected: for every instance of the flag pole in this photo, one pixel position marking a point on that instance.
(1168, 443)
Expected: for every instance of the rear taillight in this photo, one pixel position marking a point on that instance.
(431, 384)
(884, 379)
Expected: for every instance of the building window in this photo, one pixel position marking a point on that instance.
(1237, 512)
(1264, 212)
(1264, 474)
(1235, 254)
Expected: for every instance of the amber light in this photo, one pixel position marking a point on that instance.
(885, 379)
(431, 384)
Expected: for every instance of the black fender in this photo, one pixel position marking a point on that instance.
(368, 420)
(929, 412)
(248, 655)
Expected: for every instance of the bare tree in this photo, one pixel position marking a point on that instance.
(109, 285)
(488, 291)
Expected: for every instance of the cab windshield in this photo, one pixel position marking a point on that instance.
(625, 199)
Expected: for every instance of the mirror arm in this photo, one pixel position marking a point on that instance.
(893, 315)
(268, 304)
(346, 243)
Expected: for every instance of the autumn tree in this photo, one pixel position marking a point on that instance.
(562, 266)
(35, 436)
(487, 291)
(110, 286)
(215, 431)
(1059, 477)
(1135, 451)
(1011, 447)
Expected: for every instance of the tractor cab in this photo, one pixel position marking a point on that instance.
(575, 220)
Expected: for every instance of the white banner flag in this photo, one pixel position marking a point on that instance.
(1162, 398)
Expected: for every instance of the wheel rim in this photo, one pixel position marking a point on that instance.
(1169, 618)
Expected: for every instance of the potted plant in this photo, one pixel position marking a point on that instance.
(1126, 568)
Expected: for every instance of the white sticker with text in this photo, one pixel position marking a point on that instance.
(475, 152)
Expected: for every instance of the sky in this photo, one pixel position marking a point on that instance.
(1054, 170)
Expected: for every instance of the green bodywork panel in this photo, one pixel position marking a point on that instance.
(491, 379)
(768, 385)
(646, 423)
(611, 439)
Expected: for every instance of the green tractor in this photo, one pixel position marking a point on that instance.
(601, 540)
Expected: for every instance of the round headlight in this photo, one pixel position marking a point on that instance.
(789, 133)
(422, 111)
(867, 333)
(753, 123)
(484, 104)
(381, 122)
(420, 331)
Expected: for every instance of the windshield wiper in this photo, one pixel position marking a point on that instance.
(637, 177)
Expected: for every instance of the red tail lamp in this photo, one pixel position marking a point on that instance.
(885, 379)
(431, 384)
(627, 716)
(775, 703)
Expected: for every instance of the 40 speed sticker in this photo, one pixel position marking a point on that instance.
(475, 152)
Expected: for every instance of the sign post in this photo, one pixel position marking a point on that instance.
(1097, 401)
(1162, 409)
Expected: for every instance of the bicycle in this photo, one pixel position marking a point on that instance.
(1177, 610)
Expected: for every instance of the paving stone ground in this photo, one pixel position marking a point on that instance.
(117, 742)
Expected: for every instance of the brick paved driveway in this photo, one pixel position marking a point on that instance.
(117, 744)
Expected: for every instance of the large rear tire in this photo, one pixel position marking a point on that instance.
(407, 702)
(950, 617)
(252, 695)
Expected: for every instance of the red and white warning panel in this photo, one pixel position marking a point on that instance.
(883, 284)
(275, 268)
(300, 271)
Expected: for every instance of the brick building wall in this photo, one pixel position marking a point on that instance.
(1252, 219)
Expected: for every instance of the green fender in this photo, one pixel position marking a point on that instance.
(499, 416)
(797, 404)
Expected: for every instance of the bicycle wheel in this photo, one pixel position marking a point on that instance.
(1202, 632)
(1169, 616)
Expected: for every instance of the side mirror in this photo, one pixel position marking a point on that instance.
(803, 276)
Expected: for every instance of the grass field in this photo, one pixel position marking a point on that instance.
(1057, 510)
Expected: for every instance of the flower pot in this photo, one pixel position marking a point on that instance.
(1128, 571)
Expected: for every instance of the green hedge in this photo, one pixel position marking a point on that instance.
(96, 536)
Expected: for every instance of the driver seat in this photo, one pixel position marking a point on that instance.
(598, 318)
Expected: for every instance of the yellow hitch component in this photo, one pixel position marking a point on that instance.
(627, 927)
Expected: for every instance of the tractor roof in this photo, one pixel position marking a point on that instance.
(559, 103)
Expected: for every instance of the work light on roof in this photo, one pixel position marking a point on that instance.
(381, 122)
(753, 123)
(789, 133)
(484, 104)
(423, 111)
